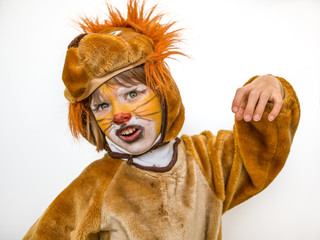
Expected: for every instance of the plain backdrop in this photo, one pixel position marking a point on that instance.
(228, 42)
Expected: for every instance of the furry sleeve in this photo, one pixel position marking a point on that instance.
(239, 164)
(75, 213)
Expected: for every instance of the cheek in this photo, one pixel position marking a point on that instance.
(105, 122)
(156, 114)
(158, 123)
(150, 108)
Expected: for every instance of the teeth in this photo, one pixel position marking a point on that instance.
(128, 131)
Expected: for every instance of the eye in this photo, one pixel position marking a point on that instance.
(115, 33)
(102, 106)
(132, 94)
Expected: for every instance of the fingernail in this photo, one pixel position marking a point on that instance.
(247, 118)
(256, 117)
(234, 109)
(271, 118)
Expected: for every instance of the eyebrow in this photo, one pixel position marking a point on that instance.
(96, 99)
(139, 87)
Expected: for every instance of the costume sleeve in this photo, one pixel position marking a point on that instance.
(239, 164)
(75, 213)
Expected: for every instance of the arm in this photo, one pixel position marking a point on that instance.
(239, 164)
(75, 213)
(262, 145)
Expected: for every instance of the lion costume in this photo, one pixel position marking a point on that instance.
(118, 198)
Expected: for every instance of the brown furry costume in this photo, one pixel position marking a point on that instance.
(207, 175)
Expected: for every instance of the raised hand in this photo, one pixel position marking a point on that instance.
(250, 100)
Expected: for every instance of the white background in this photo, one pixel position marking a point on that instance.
(229, 41)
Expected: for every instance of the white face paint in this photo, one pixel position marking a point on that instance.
(130, 115)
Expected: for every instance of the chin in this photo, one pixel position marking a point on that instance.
(143, 144)
(136, 137)
(137, 148)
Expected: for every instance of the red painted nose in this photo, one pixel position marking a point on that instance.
(121, 118)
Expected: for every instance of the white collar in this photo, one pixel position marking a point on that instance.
(160, 157)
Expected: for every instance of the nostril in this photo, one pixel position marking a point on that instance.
(121, 118)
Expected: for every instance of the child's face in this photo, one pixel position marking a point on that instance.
(129, 115)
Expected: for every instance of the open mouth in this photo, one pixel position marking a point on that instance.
(130, 133)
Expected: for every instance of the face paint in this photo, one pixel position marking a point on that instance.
(129, 115)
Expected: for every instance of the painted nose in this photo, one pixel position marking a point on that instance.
(121, 118)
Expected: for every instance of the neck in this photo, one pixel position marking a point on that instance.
(159, 155)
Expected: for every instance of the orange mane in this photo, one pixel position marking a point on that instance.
(158, 77)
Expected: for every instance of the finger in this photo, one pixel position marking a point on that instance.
(276, 108)
(264, 97)
(239, 114)
(238, 98)
(251, 105)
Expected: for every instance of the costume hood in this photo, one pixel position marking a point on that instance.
(108, 48)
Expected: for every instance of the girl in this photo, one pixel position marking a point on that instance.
(151, 184)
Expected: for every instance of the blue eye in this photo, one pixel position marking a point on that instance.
(132, 94)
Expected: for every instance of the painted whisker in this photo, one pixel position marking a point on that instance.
(144, 103)
(146, 119)
(149, 114)
(100, 120)
(106, 123)
(105, 131)
(140, 111)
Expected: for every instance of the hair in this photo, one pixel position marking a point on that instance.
(82, 121)
(156, 74)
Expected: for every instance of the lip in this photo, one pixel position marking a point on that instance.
(130, 133)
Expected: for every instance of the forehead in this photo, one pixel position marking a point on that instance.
(113, 86)
(116, 83)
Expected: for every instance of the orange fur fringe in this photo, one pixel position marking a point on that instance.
(77, 117)
(158, 76)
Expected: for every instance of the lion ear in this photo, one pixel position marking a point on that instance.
(75, 42)
(74, 75)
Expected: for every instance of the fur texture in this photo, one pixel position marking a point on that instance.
(148, 24)
(75, 213)
(101, 54)
(98, 54)
(114, 200)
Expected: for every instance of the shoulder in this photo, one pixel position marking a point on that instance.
(89, 185)
(207, 141)
(78, 206)
(94, 179)
(100, 170)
